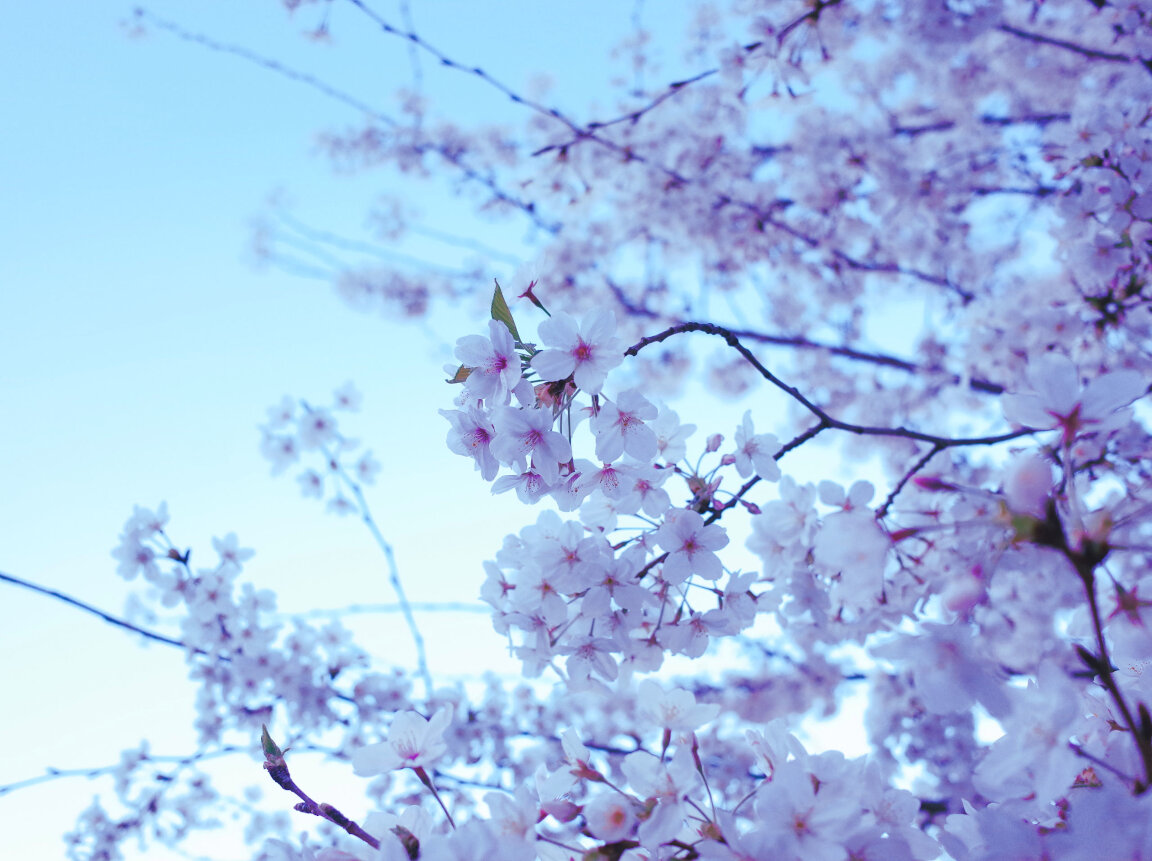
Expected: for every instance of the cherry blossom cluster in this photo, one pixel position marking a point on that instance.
(296, 428)
(646, 803)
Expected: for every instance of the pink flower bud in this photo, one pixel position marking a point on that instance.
(932, 482)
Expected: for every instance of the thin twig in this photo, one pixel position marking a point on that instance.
(107, 617)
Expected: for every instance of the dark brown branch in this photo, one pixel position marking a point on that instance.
(826, 420)
(1040, 38)
(629, 156)
(107, 617)
(881, 359)
(904, 479)
(986, 119)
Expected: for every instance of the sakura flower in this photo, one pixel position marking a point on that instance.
(528, 433)
(690, 545)
(311, 484)
(666, 783)
(620, 428)
(610, 817)
(530, 486)
(671, 436)
(755, 452)
(367, 468)
(586, 352)
(578, 756)
(647, 490)
(413, 742)
(613, 481)
(282, 413)
(947, 671)
(676, 709)
(1059, 401)
(494, 363)
(807, 824)
(282, 450)
(230, 551)
(317, 428)
(851, 545)
(347, 397)
(514, 816)
(471, 436)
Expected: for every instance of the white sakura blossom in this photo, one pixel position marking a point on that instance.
(230, 551)
(610, 817)
(523, 434)
(347, 397)
(853, 547)
(1058, 399)
(946, 669)
(281, 450)
(529, 485)
(671, 435)
(514, 816)
(414, 819)
(755, 452)
(366, 468)
(311, 484)
(316, 428)
(992, 833)
(691, 546)
(620, 429)
(1032, 760)
(413, 741)
(471, 436)
(667, 783)
(494, 364)
(806, 819)
(676, 709)
(585, 352)
(282, 413)
(613, 480)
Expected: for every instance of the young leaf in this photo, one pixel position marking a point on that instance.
(1091, 661)
(501, 312)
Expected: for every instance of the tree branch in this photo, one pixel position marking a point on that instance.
(826, 420)
(107, 617)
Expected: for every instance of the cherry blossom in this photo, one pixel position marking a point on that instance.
(1058, 399)
(414, 741)
(471, 436)
(586, 351)
(676, 709)
(754, 452)
(493, 363)
(619, 427)
(691, 546)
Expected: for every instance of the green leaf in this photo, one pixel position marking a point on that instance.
(271, 749)
(501, 312)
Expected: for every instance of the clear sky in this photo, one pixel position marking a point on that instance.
(140, 343)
